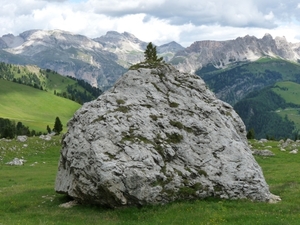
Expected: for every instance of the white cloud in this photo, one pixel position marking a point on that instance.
(160, 21)
(269, 16)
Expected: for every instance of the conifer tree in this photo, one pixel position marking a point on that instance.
(58, 127)
(151, 59)
(48, 129)
(251, 134)
(151, 54)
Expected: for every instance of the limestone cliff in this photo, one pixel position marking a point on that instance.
(157, 136)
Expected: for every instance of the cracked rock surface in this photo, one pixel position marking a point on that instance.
(157, 136)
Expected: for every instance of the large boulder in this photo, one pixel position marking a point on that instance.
(157, 136)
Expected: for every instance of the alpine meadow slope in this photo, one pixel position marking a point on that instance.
(33, 107)
(35, 97)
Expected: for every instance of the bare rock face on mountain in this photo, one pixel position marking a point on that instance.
(128, 48)
(157, 136)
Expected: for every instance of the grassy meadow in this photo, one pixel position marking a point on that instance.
(33, 107)
(27, 194)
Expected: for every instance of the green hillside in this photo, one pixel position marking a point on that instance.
(238, 80)
(290, 92)
(273, 111)
(50, 81)
(33, 107)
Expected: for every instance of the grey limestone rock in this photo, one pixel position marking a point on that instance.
(22, 138)
(16, 162)
(157, 136)
(265, 152)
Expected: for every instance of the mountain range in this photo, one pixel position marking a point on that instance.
(101, 61)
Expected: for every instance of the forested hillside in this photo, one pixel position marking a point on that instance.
(269, 114)
(234, 83)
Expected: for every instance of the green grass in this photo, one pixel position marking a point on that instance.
(59, 83)
(27, 194)
(49, 80)
(290, 92)
(288, 69)
(33, 107)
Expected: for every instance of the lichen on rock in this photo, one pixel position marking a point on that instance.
(156, 136)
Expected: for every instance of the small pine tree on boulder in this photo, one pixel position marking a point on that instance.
(151, 54)
(151, 59)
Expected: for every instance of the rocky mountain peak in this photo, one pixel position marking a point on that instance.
(112, 35)
(49, 39)
(26, 34)
(126, 46)
(131, 37)
(268, 37)
(118, 39)
(170, 47)
(156, 136)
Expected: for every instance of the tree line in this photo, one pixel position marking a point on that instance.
(9, 129)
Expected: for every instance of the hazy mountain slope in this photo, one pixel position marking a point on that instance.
(168, 51)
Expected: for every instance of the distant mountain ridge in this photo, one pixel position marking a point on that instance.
(68, 54)
(223, 53)
(101, 61)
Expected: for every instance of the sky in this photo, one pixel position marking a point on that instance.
(158, 21)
